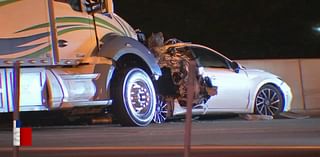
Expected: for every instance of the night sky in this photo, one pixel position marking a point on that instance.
(240, 29)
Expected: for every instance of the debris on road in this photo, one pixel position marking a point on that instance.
(255, 117)
(293, 115)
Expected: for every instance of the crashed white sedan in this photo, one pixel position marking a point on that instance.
(221, 85)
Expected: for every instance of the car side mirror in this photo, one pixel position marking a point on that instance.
(75, 5)
(93, 6)
(141, 36)
(235, 66)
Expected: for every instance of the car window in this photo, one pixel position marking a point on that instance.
(207, 58)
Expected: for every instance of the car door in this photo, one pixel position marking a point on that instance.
(76, 38)
(233, 87)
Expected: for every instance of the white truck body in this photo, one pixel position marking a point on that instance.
(71, 71)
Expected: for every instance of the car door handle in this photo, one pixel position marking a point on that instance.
(62, 43)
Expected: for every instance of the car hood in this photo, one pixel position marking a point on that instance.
(252, 73)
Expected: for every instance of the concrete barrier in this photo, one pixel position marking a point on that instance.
(303, 76)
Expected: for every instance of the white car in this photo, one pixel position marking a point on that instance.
(238, 90)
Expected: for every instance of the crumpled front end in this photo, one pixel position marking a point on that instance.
(175, 64)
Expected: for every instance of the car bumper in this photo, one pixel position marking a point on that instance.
(287, 93)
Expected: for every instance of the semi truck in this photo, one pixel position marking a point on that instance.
(75, 55)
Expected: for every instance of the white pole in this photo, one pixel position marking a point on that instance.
(16, 114)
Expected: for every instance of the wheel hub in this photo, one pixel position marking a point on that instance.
(140, 97)
(267, 102)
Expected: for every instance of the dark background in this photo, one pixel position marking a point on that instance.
(240, 29)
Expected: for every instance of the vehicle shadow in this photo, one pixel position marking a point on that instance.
(42, 119)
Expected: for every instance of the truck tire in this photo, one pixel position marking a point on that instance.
(134, 97)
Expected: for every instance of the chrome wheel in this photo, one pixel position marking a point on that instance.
(135, 98)
(161, 113)
(138, 95)
(269, 101)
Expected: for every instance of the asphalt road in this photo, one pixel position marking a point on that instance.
(210, 137)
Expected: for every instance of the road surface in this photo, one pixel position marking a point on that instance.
(218, 137)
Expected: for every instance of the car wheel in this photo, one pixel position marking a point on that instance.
(134, 97)
(269, 101)
(161, 113)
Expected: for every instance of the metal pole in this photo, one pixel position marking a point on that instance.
(53, 34)
(109, 6)
(16, 102)
(188, 122)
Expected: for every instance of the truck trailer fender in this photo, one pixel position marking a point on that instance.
(115, 47)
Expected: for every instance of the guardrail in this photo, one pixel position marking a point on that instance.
(303, 76)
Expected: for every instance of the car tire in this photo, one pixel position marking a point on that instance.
(269, 101)
(161, 114)
(134, 97)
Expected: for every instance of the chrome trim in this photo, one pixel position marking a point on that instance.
(78, 76)
(87, 103)
(29, 62)
(55, 90)
(25, 62)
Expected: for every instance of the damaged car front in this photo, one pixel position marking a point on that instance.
(174, 59)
